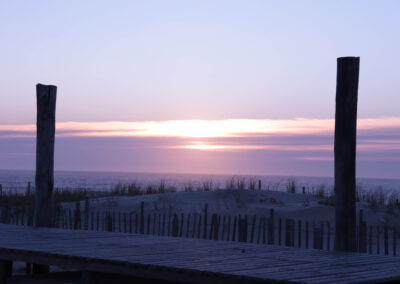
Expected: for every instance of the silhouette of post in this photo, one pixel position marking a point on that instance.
(44, 180)
(345, 153)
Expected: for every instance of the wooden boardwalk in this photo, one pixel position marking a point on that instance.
(190, 260)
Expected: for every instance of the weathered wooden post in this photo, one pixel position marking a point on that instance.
(345, 153)
(44, 180)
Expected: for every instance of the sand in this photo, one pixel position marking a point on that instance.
(306, 207)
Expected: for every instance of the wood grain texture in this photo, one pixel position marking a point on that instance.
(45, 133)
(189, 260)
(345, 153)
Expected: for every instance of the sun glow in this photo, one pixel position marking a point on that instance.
(229, 147)
(220, 135)
(203, 128)
(203, 146)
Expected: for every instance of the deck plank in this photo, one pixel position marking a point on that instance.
(180, 258)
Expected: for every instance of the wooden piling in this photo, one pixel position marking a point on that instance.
(345, 153)
(45, 132)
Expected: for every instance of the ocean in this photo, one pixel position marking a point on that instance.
(17, 180)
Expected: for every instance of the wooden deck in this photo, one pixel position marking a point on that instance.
(190, 260)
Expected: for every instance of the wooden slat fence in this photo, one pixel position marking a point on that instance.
(258, 229)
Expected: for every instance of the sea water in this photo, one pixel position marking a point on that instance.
(17, 180)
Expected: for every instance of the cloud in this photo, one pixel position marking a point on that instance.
(205, 128)
(300, 134)
(298, 146)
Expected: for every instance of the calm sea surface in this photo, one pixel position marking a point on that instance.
(17, 180)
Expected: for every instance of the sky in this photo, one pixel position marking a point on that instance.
(241, 87)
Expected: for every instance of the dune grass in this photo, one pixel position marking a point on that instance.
(376, 199)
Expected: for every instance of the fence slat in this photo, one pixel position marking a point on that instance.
(199, 228)
(194, 225)
(394, 242)
(386, 234)
(299, 234)
(271, 227)
(252, 229)
(188, 226)
(205, 221)
(280, 232)
(234, 229)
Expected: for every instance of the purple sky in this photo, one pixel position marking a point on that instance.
(152, 62)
